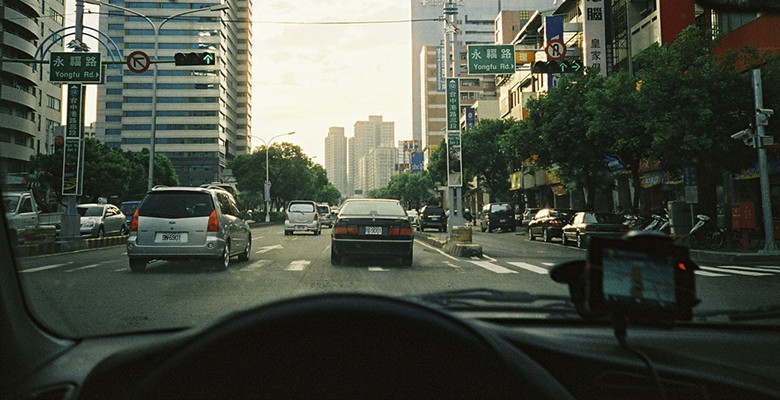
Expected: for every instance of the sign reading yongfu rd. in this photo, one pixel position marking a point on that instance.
(74, 67)
(491, 59)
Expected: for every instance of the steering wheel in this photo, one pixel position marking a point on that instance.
(345, 346)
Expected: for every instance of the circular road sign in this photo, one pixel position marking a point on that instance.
(555, 49)
(59, 140)
(138, 62)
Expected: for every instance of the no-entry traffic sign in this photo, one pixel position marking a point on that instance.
(138, 62)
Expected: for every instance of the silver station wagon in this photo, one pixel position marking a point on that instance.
(188, 222)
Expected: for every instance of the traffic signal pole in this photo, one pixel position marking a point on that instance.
(766, 205)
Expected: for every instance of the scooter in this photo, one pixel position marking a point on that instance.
(704, 235)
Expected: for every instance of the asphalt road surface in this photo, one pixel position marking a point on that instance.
(93, 292)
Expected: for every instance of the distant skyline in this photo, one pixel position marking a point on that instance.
(308, 77)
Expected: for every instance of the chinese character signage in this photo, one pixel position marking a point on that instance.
(471, 117)
(440, 78)
(72, 149)
(453, 105)
(491, 59)
(454, 163)
(74, 67)
(597, 45)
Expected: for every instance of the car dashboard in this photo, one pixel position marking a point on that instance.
(354, 345)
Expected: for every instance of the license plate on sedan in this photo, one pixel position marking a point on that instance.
(373, 230)
(171, 237)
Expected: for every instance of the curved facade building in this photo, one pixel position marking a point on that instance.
(30, 107)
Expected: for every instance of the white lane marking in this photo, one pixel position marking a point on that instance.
(298, 265)
(377, 269)
(255, 266)
(754, 269)
(493, 267)
(548, 264)
(44, 268)
(488, 257)
(84, 267)
(529, 267)
(268, 248)
(257, 238)
(451, 264)
(439, 250)
(705, 273)
(733, 271)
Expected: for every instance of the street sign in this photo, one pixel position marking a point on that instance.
(491, 59)
(454, 162)
(72, 152)
(74, 67)
(525, 56)
(555, 49)
(453, 104)
(138, 62)
(573, 66)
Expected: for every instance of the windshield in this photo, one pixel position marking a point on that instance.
(534, 108)
(94, 211)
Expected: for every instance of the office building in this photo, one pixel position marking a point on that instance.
(203, 112)
(368, 169)
(336, 159)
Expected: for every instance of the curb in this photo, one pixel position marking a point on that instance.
(704, 256)
(63, 246)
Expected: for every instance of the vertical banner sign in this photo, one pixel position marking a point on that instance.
(471, 117)
(71, 165)
(553, 29)
(454, 174)
(440, 79)
(597, 47)
(453, 105)
(690, 182)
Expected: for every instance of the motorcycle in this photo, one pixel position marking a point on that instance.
(704, 234)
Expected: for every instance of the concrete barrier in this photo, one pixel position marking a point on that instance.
(461, 234)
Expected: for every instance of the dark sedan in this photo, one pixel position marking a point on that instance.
(548, 223)
(587, 224)
(372, 227)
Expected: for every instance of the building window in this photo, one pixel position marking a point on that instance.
(137, 127)
(53, 103)
(113, 118)
(113, 131)
(113, 104)
(136, 141)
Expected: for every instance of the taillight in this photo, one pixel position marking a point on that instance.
(398, 231)
(345, 230)
(316, 217)
(555, 222)
(134, 222)
(286, 216)
(213, 222)
(590, 228)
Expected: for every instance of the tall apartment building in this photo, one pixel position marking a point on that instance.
(203, 112)
(364, 173)
(336, 159)
(30, 106)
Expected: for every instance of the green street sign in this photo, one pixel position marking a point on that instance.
(74, 67)
(453, 104)
(491, 59)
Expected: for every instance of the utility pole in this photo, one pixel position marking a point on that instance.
(762, 117)
(454, 193)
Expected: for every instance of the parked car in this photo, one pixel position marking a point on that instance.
(302, 216)
(372, 227)
(188, 222)
(497, 215)
(325, 215)
(548, 223)
(586, 224)
(99, 220)
(128, 209)
(24, 213)
(432, 217)
(528, 214)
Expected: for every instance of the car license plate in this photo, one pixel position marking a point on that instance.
(171, 237)
(300, 227)
(503, 220)
(373, 230)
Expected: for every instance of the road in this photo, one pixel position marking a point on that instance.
(94, 291)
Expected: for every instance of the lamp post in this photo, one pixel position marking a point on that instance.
(156, 28)
(267, 193)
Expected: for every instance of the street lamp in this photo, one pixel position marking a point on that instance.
(156, 28)
(267, 193)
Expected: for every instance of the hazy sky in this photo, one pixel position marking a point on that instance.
(308, 77)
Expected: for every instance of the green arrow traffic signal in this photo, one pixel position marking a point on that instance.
(194, 59)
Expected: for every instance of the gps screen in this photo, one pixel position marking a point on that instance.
(638, 278)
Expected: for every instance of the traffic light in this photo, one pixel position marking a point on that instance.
(194, 58)
(557, 67)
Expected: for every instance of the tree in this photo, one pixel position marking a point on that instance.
(485, 158)
(413, 190)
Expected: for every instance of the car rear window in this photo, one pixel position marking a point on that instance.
(323, 209)
(499, 208)
(128, 208)
(433, 210)
(301, 207)
(90, 211)
(373, 208)
(176, 205)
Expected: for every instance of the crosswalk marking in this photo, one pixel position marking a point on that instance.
(705, 273)
(493, 267)
(377, 269)
(734, 271)
(298, 265)
(754, 269)
(528, 267)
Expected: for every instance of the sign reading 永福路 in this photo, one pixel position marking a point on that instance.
(74, 67)
(491, 59)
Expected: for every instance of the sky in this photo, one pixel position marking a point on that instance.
(308, 77)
